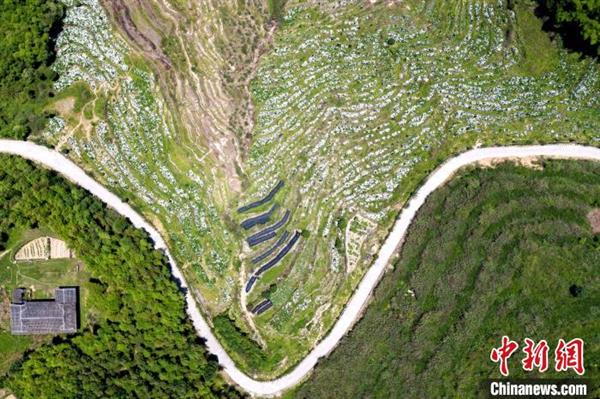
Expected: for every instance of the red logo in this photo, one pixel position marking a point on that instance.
(569, 355)
(503, 353)
(535, 355)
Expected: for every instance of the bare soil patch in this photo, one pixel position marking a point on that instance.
(59, 249)
(528, 162)
(65, 106)
(43, 248)
(594, 219)
(121, 13)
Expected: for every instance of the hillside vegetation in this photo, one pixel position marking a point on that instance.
(28, 29)
(188, 110)
(356, 104)
(494, 252)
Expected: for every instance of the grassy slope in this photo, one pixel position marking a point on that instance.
(493, 252)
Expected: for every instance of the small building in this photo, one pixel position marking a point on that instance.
(54, 316)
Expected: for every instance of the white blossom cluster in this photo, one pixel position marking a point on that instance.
(54, 127)
(85, 42)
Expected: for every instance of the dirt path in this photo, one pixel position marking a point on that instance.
(351, 313)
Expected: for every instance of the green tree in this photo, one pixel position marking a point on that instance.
(27, 29)
(577, 17)
(138, 341)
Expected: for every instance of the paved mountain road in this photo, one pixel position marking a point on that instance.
(58, 162)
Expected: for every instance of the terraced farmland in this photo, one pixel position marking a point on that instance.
(352, 105)
(356, 103)
(127, 134)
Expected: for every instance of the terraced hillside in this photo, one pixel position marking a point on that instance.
(205, 54)
(356, 103)
(509, 250)
(120, 114)
(192, 110)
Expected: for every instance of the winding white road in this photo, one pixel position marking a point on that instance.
(56, 161)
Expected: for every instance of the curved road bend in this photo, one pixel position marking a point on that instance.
(56, 161)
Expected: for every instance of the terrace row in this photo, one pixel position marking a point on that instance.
(266, 199)
(260, 219)
(269, 232)
(286, 249)
(262, 307)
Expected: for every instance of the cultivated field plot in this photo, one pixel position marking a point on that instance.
(352, 105)
(41, 275)
(34, 250)
(357, 232)
(43, 248)
(504, 250)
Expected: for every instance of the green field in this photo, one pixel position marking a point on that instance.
(42, 276)
(492, 253)
(12, 347)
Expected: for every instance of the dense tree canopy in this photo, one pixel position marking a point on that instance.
(579, 19)
(138, 341)
(27, 28)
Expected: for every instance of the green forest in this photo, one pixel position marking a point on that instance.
(498, 251)
(28, 29)
(577, 20)
(141, 343)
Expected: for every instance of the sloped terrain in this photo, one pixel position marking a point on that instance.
(355, 104)
(127, 126)
(497, 251)
(190, 111)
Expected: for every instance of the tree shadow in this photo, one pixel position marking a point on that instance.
(568, 32)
